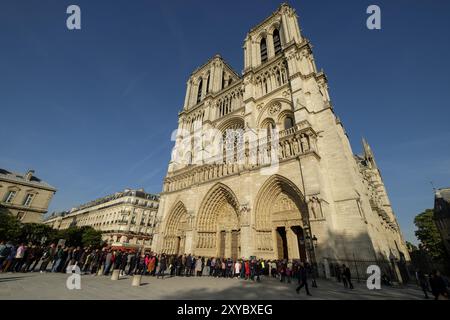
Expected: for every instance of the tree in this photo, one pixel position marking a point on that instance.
(429, 236)
(36, 232)
(10, 226)
(81, 237)
(91, 237)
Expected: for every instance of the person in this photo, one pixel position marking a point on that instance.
(337, 271)
(303, 280)
(347, 277)
(237, 269)
(58, 259)
(5, 251)
(289, 271)
(18, 260)
(108, 262)
(162, 266)
(37, 257)
(9, 259)
(198, 267)
(423, 283)
(247, 270)
(438, 286)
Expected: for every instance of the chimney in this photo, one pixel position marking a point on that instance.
(29, 175)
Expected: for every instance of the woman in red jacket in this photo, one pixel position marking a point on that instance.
(247, 270)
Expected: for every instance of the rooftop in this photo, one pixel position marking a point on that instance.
(26, 179)
(140, 193)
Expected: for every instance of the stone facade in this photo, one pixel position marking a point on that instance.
(271, 199)
(442, 215)
(25, 195)
(125, 218)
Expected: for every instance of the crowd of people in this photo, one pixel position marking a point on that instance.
(95, 261)
(102, 261)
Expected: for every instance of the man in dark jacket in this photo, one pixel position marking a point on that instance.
(438, 286)
(347, 276)
(303, 279)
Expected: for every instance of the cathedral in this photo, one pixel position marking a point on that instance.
(262, 166)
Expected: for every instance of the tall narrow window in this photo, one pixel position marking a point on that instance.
(207, 84)
(28, 200)
(263, 48)
(288, 122)
(276, 41)
(199, 93)
(9, 198)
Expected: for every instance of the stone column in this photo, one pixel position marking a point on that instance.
(270, 47)
(293, 250)
(188, 93)
(228, 240)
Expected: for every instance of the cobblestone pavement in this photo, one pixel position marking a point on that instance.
(53, 286)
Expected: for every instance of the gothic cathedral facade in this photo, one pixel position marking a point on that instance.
(312, 199)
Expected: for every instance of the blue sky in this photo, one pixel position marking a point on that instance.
(92, 110)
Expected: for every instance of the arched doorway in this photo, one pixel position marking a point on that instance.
(281, 216)
(175, 231)
(218, 228)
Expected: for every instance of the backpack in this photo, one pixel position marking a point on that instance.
(5, 252)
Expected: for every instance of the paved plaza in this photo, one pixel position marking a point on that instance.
(53, 286)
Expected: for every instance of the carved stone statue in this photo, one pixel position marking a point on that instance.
(304, 142)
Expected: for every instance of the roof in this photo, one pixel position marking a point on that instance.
(127, 192)
(20, 178)
(443, 193)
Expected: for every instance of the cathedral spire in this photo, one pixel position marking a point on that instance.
(368, 154)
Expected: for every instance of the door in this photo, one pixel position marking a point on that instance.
(282, 243)
(222, 244)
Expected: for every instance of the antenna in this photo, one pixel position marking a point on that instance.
(432, 185)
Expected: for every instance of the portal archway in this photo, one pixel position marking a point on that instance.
(280, 218)
(175, 230)
(218, 227)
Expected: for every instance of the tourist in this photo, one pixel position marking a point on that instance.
(237, 269)
(108, 262)
(162, 266)
(438, 286)
(9, 259)
(18, 260)
(423, 282)
(346, 277)
(58, 258)
(198, 267)
(5, 250)
(303, 279)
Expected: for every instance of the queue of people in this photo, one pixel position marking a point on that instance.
(96, 261)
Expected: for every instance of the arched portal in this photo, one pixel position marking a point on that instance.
(218, 228)
(280, 218)
(175, 230)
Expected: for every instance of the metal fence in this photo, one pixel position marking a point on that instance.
(358, 269)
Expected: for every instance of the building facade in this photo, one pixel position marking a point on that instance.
(442, 215)
(289, 186)
(24, 195)
(125, 218)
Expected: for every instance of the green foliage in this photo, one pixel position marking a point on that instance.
(11, 229)
(91, 238)
(81, 236)
(429, 236)
(10, 226)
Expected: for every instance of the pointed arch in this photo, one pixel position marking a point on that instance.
(177, 216)
(220, 197)
(270, 194)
